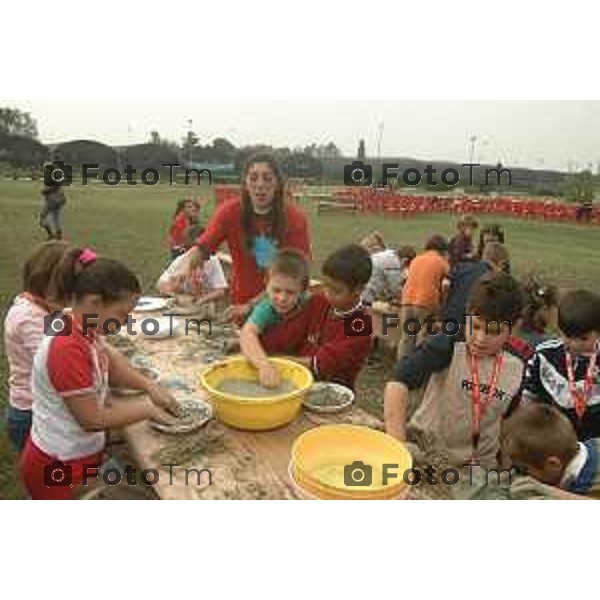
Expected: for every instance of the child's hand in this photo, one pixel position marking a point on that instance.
(269, 376)
(163, 399)
(237, 313)
(159, 415)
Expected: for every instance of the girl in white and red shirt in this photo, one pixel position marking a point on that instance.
(72, 408)
(23, 332)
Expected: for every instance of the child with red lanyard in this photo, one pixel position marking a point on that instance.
(254, 227)
(470, 386)
(71, 373)
(564, 372)
(23, 332)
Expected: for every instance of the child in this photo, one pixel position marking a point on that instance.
(207, 283)
(470, 385)
(71, 374)
(285, 294)
(539, 441)
(461, 245)
(464, 275)
(564, 372)
(492, 233)
(386, 280)
(23, 332)
(51, 213)
(185, 227)
(422, 292)
(389, 269)
(326, 335)
(540, 311)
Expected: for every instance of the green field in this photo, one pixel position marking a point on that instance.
(130, 224)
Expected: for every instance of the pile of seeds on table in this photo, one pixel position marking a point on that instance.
(122, 343)
(327, 396)
(190, 447)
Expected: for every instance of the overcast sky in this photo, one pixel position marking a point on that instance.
(548, 134)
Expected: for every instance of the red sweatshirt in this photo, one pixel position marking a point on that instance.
(247, 276)
(178, 231)
(317, 333)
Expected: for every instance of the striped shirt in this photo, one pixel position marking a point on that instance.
(546, 380)
(23, 333)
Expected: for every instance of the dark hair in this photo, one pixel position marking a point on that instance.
(291, 263)
(536, 295)
(37, 272)
(496, 297)
(494, 229)
(407, 253)
(181, 205)
(438, 243)
(351, 265)
(536, 431)
(108, 278)
(579, 313)
(277, 215)
(495, 253)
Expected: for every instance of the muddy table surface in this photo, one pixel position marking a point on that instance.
(243, 465)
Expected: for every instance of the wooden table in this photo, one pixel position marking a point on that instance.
(243, 465)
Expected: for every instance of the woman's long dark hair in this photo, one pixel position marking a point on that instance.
(277, 215)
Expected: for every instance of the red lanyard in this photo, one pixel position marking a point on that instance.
(479, 408)
(580, 398)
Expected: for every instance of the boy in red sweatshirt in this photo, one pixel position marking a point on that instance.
(331, 334)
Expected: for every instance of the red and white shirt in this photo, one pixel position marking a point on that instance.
(67, 367)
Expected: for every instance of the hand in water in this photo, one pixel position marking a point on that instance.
(269, 376)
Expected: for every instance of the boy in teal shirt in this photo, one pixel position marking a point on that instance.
(286, 293)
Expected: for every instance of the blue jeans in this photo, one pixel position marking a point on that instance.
(18, 425)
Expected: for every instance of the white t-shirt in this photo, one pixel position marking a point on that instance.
(387, 277)
(211, 276)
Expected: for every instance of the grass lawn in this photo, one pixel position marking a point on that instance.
(129, 223)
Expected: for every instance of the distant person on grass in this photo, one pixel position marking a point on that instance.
(51, 215)
(254, 227)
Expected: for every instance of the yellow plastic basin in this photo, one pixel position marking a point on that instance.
(256, 414)
(326, 458)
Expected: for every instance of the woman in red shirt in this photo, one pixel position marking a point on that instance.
(254, 227)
